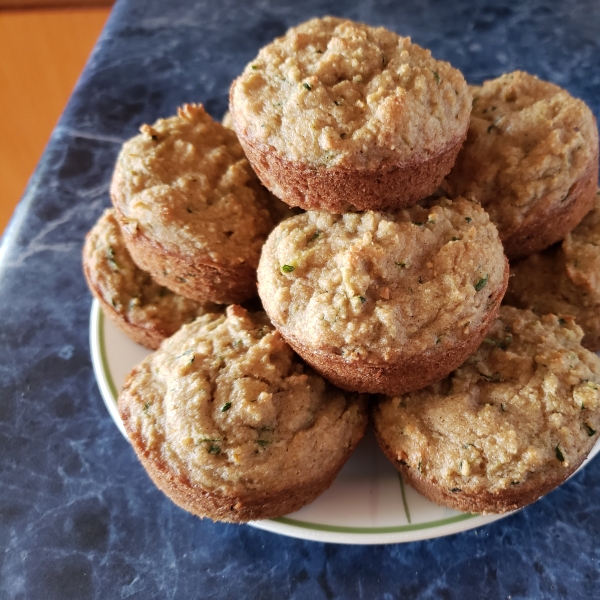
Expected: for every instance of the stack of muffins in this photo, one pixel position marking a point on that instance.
(389, 284)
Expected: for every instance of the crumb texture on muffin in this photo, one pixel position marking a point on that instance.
(227, 407)
(511, 423)
(529, 142)
(582, 254)
(185, 184)
(377, 285)
(565, 279)
(336, 93)
(130, 293)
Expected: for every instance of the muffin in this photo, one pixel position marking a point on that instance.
(564, 279)
(232, 426)
(530, 158)
(144, 310)
(506, 427)
(192, 211)
(385, 302)
(337, 116)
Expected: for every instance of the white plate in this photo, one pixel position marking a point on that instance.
(368, 502)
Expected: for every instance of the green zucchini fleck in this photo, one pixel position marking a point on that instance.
(559, 454)
(494, 377)
(481, 283)
(226, 407)
(590, 430)
(502, 344)
(287, 268)
(111, 259)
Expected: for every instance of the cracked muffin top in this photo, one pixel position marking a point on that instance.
(226, 403)
(336, 93)
(529, 141)
(527, 402)
(187, 185)
(376, 285)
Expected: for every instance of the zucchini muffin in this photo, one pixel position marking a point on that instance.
(565, 279)
(338, 116)
(530, 158)
(192, 211)
(505, 428)
(232, 426)
(385, 302)
(144, 310)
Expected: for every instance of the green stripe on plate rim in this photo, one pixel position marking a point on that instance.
(287, 520)
(366, 530)
(404, 500)
(104, 360)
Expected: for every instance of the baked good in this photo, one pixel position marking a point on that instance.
(506, 427)
(338, 116)
(384, 302)
(530, 158)
(192, 211)
(564, 279)
(227, 121)
(231, 425)
(144, 310)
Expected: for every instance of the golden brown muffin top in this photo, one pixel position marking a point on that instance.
(227, 403)
(333, 92)
(187, 185)
(529, 141)
(129, 290)
(528, 401)
(378, 285)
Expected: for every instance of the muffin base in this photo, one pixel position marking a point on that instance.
(543, 230)
(513, 498)
(339, 190)
(254, 505)
(404, 374)
(200, 281)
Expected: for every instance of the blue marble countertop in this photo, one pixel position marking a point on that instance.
(79, 518)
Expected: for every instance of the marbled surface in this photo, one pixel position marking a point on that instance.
(79, 518)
